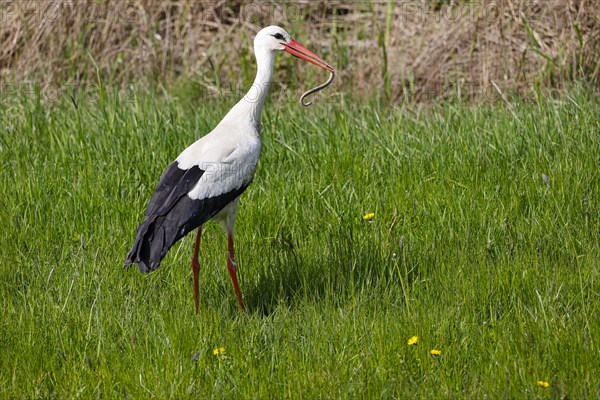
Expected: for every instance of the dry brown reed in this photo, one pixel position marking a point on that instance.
(399, 50)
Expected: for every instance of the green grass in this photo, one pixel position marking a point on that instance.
(470, 250)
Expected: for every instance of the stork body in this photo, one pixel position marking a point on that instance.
(207, 179)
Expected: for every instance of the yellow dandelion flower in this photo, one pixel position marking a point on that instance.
(543, 384)
(435, 352)
(219, 351)
(369, 216)
(413, 340)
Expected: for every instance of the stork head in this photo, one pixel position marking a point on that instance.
(273, 38)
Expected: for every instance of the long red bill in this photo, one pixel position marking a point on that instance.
(297, 50)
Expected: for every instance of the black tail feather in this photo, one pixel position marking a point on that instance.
(154, 239)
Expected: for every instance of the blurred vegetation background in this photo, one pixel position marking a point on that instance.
(399, 50)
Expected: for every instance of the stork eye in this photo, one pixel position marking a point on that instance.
(278, 36)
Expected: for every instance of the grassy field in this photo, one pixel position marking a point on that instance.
(485, 244)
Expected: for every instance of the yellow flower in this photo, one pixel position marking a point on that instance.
(543, 384)
(219, 351)
(435, 352)
(369, 216)
(413, 340)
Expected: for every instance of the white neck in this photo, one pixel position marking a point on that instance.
(250, 106)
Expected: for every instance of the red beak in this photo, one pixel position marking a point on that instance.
(297, 50)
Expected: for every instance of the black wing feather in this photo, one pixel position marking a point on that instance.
(171, 214)
(173, 184)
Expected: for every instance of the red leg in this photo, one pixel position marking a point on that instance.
(232, 270)
(196, 267)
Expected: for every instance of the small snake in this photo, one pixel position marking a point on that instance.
(316, 89)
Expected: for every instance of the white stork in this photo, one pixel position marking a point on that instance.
(207, 179)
